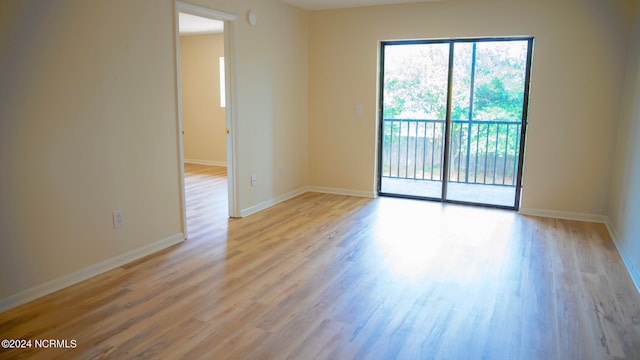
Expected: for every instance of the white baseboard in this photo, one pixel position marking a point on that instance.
(346, 192)
(271, 202)
(84, 274)
(624, 254)
(205, 162)
(566, 215)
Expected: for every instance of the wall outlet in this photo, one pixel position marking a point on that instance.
(118, 219)
(254, 180)
(359, 109)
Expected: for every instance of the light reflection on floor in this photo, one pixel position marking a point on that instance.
(421, 240)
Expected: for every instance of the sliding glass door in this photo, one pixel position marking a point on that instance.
(453, 116)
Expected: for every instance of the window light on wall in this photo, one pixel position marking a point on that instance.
(223, 95)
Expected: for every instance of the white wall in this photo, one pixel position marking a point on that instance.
(624, 211)
(575, 89)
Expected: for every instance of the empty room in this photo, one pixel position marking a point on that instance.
(393, 179)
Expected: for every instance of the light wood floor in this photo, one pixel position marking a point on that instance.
(327, 276)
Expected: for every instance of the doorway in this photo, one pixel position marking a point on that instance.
(453, 119)
(225, 141)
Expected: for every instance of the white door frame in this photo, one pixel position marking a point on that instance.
(230, 30)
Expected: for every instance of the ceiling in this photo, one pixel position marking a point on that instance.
(192, 25)
(335, 4)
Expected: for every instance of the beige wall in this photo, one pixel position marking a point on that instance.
(625, 193)
(203, 119)
(88, 125)
(576, 86)
(272, 83)
(88, 111)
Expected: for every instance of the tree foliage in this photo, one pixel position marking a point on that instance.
(487, 94)
(416, 81)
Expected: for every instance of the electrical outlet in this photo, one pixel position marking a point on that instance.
(118, 219)
(254, 180)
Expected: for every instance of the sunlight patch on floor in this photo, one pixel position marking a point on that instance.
(421, 240)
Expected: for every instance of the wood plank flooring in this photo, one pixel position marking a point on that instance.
(335, 277)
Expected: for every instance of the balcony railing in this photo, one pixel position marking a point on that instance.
(482, 152)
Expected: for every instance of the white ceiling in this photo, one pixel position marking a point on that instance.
(191, 25)
(335, 4)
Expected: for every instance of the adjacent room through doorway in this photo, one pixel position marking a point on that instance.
(202, 81)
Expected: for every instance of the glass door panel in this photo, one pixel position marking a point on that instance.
(488, 91)
(414, 85)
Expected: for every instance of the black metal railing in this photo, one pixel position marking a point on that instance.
(481, 152)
